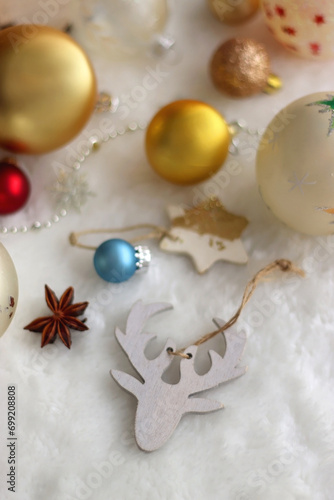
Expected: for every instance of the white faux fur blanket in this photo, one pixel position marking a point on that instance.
(274, 439)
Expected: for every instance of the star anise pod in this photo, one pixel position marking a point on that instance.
(64, 317)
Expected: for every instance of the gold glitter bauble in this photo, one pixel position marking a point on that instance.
(240, 67)
(47, 89)
(187, 142)
(234, 11)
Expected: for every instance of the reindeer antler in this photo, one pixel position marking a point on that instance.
(134, 342)
(222, 368)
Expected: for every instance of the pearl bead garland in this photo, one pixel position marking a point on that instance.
(92, 146)
(238, 127)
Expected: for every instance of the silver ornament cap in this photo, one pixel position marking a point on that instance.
(144, 256)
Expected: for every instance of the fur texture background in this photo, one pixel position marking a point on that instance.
(274, 440)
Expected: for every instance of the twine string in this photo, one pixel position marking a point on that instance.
(283, 265)
(157, 232)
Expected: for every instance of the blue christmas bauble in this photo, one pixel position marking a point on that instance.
(115, 260)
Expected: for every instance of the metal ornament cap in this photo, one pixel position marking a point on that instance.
(144, 257)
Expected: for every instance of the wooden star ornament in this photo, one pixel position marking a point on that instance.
(65, 316)
(207, 233)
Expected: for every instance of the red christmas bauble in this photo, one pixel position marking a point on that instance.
(14, 187)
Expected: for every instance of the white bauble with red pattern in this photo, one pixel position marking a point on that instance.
(305, 27)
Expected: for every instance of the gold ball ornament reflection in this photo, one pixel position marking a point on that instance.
(234, 11)
(295, 165)
(47, 89)
(9, 289)
(187, 142)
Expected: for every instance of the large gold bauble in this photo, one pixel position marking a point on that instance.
(47, 89)
(234, 11)
(187, 142)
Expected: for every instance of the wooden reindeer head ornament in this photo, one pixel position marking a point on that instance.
(161, 405)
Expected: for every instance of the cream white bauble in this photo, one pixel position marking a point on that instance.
(305, 27)
(124, 26)
(9, 289)
(295, 164)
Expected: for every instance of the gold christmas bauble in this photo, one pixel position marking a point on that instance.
(47, 89)
(234, 11)
(187, 142)
(240, 67)
(295, 164)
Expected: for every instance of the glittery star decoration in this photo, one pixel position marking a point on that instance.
(327, 105)
(71, 190)
(299, 183)
(289, 30)
(315, 48)
(319, 19)
(328, 210)
(268, 10)
(280, 11)
(207, 233)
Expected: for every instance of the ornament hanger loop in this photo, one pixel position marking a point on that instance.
(157, 232)
(283, 265)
